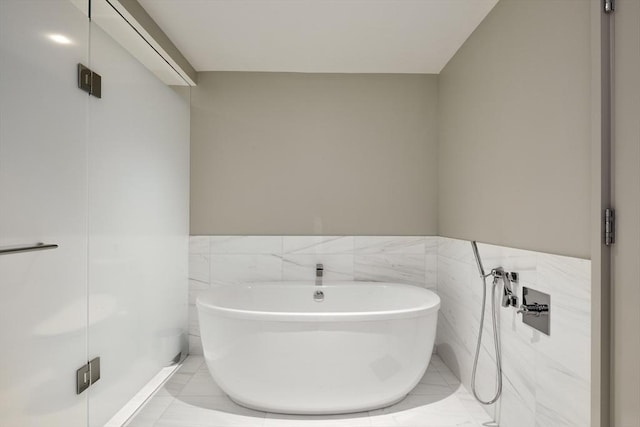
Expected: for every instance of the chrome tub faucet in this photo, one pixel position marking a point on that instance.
(319, 274)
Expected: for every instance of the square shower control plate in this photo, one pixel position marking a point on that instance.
(539, 321)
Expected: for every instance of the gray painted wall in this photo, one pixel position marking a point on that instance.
(331, 154)
(495, 149)
(514, 130)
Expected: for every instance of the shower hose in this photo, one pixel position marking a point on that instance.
(496, 341)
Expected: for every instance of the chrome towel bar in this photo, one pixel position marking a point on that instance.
(26, 248)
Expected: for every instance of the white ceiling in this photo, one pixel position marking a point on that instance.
(332, 36)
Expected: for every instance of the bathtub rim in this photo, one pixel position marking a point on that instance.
(420, 310)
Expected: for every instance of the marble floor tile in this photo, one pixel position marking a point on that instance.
(208, 411)
(151, 412)
(433, 377)
(192, 399)
(191, 364)
(423, 411)
(195, 345)
(514, 411)
(450, 378)
(175, 384)
(477, 412)
(360, 419)
(437, 363)
(423, 389)
(201, 384)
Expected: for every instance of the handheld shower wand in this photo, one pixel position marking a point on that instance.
(474, 246)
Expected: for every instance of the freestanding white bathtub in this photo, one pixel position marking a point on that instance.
(272, 347)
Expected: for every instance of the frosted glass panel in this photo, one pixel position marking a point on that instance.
(43, 198)
(105, 179)
(138, 225)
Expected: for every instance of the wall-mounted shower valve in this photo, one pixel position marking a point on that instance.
(534, 309)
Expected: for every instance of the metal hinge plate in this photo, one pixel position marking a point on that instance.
(609, 227)
(89, 81)
(87, 375)
(609, 6)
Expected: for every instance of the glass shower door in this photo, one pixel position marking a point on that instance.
(104, 182)
(138, 176)
(43, 199)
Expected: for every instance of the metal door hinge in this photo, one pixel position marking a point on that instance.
(87, 375)
(89, 81)
(609, 227)
(609, 6)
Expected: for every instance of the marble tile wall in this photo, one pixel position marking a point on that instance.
(238, 259)
(546, 378)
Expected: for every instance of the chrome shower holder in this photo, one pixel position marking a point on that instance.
(509, 298)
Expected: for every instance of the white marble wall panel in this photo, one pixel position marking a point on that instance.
(243, 268)
(403, 268)
(265, 245)
(302, 253)
(562, 396)
(231, 260)
(199, 244)
(303, 266)
(431, 266)
(404, 259)
(571, 319)
(390, 245)
(546, 378)
(292, 245)
(199, 281)
(199, 259)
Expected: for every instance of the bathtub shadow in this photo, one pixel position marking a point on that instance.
(208, 400)
(222, 409)
(418, 402)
